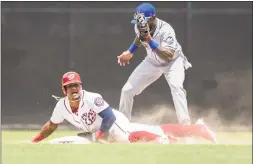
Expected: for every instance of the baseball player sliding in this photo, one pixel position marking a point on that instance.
(85, 110)
(164, 57)
(93, 115)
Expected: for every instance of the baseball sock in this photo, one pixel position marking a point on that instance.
(142, 136)
(180, 130)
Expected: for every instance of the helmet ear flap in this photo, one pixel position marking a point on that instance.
(64, 90)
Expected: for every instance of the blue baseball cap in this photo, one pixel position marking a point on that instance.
(145, 8)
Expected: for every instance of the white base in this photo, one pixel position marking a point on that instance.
(70, 140)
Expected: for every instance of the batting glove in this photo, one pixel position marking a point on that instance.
(99, 135)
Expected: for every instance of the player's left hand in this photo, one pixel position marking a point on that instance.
(124, 58)
(143, 28)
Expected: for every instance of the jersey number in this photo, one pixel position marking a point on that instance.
(89, 117)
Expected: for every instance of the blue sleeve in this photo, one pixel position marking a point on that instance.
(108, 119)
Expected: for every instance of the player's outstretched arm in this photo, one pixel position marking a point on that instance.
(107, 122)
(137, 41)
(125, 57)
(46, 131)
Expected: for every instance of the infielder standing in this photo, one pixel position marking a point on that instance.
(164, 57)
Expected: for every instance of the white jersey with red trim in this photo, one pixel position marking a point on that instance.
(86, 117)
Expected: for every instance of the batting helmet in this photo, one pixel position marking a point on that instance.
(69, 78)
(145, 8)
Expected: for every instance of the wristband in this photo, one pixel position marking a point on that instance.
(133, 48)
(153, 45)
(37, 138)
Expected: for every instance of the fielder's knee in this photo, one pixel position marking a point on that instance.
(129, 90)
(175, 85)
(177, 88)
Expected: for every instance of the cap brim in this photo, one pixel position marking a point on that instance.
(72, 82)
(133, 21)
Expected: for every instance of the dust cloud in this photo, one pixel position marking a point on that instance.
(227, 132)
(166, 114)
(228, 106)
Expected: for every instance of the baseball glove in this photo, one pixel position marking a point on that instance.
(142, 26)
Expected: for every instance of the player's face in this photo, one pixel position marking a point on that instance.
(152, 23)
(73, 91)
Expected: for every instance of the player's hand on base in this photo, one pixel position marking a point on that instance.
(124, 58)
(37, 138)
(28, 142)
(99, 135)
